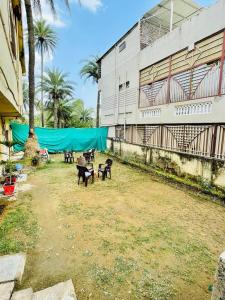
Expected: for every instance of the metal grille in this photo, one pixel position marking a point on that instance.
(199, 82)
(154, 93)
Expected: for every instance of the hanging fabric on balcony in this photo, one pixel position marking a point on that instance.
(59, 140)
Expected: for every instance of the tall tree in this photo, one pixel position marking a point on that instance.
(25, 96)
(29, 5)
(45, 42)
(30, 27)
(80, 112)
(91, 70)
(57, 87)
(64, 113)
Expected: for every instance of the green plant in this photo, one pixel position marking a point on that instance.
(10, 167)
(35, 161)
(45, 42)
(91, 70)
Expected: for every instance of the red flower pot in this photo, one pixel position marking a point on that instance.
(8, 188)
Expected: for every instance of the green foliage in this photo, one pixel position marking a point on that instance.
(91, 69)
(10, 167)
(57, 86)
(71, 114)
(35, 161)
(45, 37)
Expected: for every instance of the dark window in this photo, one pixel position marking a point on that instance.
(120, 87)
(122, 46)
(127, 84)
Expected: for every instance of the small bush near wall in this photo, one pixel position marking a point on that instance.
(166, 164)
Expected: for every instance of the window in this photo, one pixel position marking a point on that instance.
(122, 46)
(127, 84)
(120, 87)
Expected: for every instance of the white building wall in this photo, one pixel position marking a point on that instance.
(118, 68)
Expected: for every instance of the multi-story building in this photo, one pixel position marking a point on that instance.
(11, 65)
(163, 83)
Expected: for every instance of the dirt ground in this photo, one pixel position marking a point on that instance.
(131, 237)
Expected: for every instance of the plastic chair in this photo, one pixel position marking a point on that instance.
(105, 169)
(85, 173)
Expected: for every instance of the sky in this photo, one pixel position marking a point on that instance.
(90, 29)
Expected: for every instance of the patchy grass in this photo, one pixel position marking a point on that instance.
(132, 237)
(18, 228)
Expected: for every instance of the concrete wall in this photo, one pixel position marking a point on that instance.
(180, 164)
(3, 129)
(11, 99)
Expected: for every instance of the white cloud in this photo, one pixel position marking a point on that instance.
(47, 15)
(48, 59)
(92, 5)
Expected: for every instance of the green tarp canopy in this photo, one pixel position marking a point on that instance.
(59, 140)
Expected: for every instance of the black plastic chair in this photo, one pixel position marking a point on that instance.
(93, 155)
(105, 169)
(68, 157)
(87, 156)
(85, 173)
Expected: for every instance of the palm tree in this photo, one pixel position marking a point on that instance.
(64, 113)
(25, 96)
(57, 87)
(81, 116)
(45, 42)
(29, 4)
(91, 70)
(80, 112)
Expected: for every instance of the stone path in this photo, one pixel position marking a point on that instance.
(11, 270)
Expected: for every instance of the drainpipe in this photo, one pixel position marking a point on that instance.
(125, 100)
(171, 14)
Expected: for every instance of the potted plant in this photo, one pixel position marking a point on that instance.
(35, 161)
(10, 179)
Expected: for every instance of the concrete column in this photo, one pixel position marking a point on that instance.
(219, 285)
